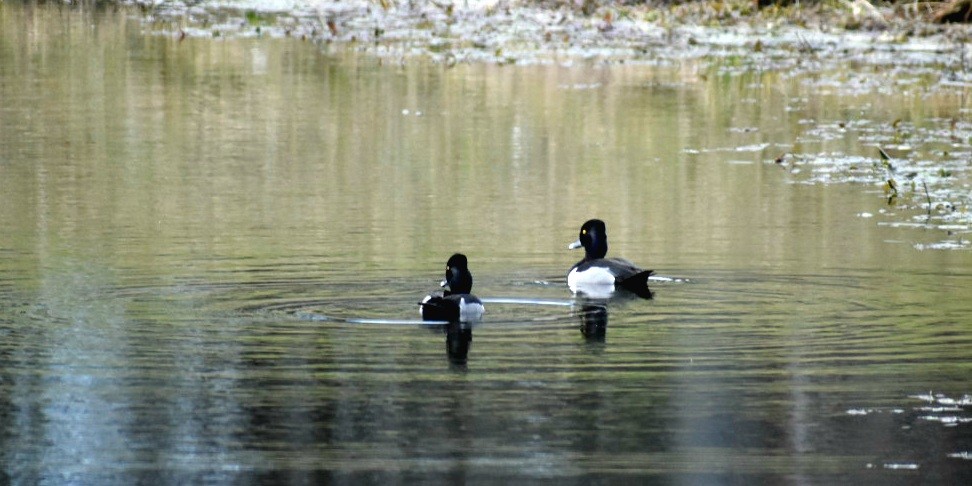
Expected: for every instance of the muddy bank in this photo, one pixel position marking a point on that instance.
(538, 32)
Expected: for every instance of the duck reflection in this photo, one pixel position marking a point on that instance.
(458, 339)
(594, 320)
(593, 311)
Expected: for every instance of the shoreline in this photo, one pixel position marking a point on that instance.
(520, 33)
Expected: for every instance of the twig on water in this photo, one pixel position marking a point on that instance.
(927, 198)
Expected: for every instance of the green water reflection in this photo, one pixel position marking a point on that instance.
(166, 202)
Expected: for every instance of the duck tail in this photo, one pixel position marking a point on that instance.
(638, 284)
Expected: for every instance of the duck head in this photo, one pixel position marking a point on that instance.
(457, 276)
(593, 237)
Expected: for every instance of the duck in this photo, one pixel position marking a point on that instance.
(457, 303)
(597, 275)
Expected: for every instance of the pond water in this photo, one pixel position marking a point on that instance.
(211, 252)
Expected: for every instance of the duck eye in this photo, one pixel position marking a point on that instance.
(583, 232)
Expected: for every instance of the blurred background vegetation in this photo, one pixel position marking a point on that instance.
(863, 13)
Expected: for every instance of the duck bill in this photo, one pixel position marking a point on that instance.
(444, 283)
(575, 245)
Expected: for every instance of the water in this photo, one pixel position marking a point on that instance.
(211, 252)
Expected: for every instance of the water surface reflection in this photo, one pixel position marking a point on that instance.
(594, 321)
(458, 340)
(177, 217)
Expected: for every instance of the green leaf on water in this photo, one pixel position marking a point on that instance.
(885, 159)
(891, 187)
(255, 18)
(884, 155)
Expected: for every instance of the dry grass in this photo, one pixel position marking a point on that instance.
(851, 13)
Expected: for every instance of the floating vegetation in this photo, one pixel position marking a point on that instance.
(937, 403)
(257, 19)
(870, 411)
(945, 410)
(902, 465)
(923, 172)
(942, 399)
(791, 38)
(935, 409)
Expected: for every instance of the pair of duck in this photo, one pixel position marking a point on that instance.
(595, 274)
